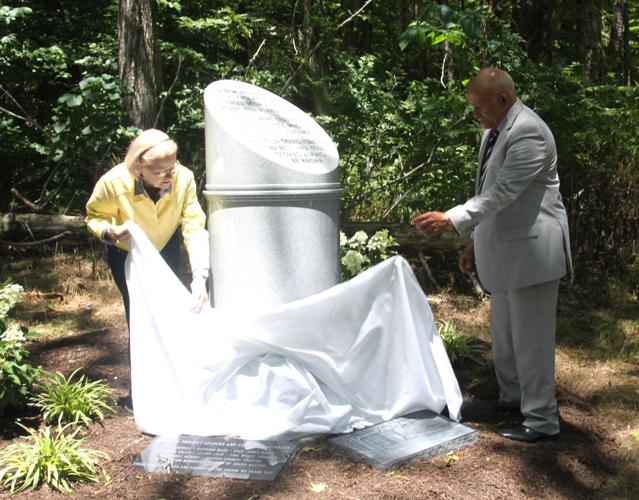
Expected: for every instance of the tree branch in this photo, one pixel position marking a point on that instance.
(317, 46)
(354, 15)
(28, 118)
(37, 242)
(24, 200)
(252, 60)
(161, 106)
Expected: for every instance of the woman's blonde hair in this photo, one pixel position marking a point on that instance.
(147, 145)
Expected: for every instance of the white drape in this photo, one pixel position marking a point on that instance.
(359, 353)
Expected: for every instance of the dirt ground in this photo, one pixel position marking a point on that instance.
(72, 303)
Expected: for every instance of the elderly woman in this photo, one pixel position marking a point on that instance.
(155, 191)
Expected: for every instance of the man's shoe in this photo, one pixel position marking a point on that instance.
(526, 434)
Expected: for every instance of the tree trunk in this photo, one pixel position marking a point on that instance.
(26, 228)
(139, 62)
(408, 237)
(533, 21)
(308, 37)
(618, 47)
(589, 26)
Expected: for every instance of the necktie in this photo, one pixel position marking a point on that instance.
(492, 139)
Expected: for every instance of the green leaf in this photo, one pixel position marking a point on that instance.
(438, 39)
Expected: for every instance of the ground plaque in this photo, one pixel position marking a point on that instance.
(418, 436)
(217, 457)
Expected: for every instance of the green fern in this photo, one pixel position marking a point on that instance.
(458, 346)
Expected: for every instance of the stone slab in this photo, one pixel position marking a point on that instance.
(419, 436)
(217, 457)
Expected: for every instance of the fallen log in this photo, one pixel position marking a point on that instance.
(408, 237)
(32, 229)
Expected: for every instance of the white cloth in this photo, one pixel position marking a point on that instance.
(357, 354)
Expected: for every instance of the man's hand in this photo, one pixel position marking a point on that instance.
(432, 222)
(200, 295)
(118, 233)
(466, 259)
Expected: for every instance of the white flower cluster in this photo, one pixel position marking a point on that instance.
(10, 295)
(353, 261)
(359, 252)
(14, 334)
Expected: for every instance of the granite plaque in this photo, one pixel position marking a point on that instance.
(217, 457)
(419, 436)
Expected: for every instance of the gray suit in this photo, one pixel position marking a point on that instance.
(522, 249)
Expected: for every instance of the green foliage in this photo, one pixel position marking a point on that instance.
(77, 402)
(442, 24)
(389, 86)
(16, 374)
(459, 347)
(359, 252)
(10, 14)
(49, 457)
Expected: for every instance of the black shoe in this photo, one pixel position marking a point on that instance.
(526, 434)
(126, 402)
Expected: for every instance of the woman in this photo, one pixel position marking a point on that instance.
(152, 189)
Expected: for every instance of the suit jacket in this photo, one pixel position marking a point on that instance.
(519, 220)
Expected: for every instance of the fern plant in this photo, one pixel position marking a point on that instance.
(64, 400)
(458, 346)
(52, 457)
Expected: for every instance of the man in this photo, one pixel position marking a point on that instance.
(520, 247)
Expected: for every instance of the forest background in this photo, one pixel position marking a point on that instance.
(386, 79)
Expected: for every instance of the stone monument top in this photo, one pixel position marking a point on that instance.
(256, 137)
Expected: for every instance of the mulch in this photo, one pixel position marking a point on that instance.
(579, 464)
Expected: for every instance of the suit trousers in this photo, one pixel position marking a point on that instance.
(523, 345)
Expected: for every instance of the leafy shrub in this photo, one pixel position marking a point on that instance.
(359, 252)
(458, 346)
(16, 375)
(66, 401)
(50, 457)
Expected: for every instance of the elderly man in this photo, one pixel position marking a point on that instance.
(520, 247)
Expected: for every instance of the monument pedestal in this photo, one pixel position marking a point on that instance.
(272, 187)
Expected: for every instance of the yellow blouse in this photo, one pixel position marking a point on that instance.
(115, 200)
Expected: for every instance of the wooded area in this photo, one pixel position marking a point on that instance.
(385, 79)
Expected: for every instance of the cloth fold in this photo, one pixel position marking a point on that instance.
(359, 353)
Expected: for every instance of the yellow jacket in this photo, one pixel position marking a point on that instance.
(117, 197)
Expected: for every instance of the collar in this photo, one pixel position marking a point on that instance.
(512, 113)
(139, 189)
(509, 117)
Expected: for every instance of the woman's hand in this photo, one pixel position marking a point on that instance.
(200, 295)
(118, 233)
